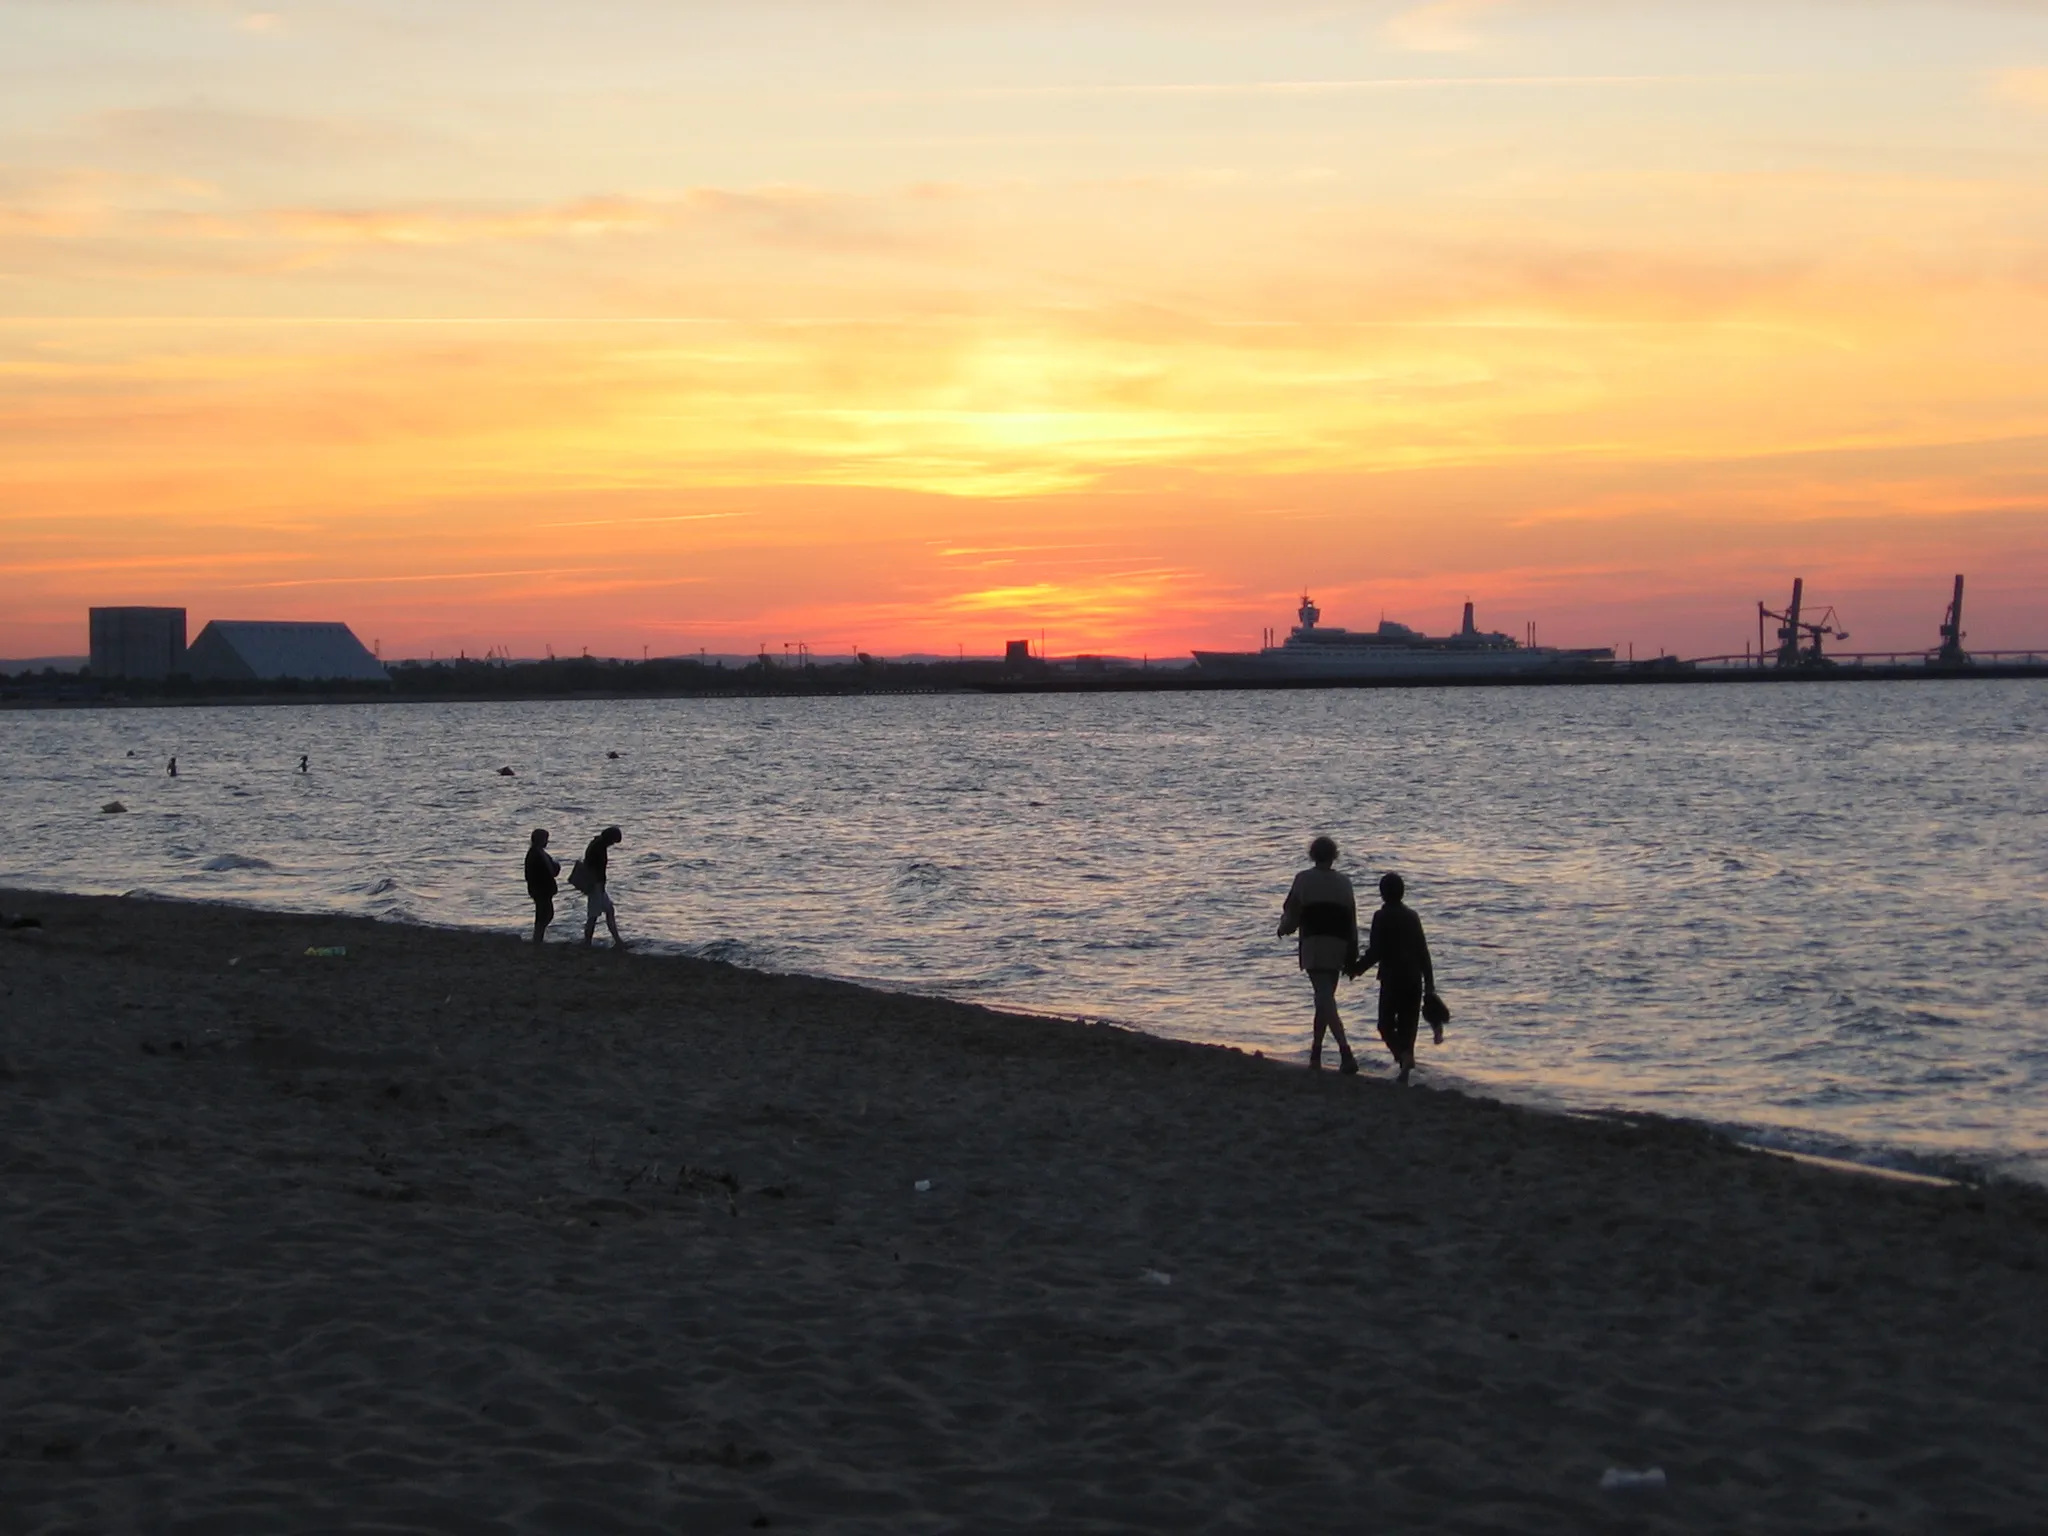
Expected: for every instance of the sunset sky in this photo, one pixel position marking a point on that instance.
(915, 324)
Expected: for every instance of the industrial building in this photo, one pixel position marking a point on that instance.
(137, 642)
(244, 650)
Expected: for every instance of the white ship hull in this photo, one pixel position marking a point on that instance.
(1394, 651)
(1390, 661)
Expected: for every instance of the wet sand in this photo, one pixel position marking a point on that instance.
(446, 1235)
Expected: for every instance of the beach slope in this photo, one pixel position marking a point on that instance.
(445, 1235)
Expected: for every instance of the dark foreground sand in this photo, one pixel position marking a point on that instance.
(450, 1236)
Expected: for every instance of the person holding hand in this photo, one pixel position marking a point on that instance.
(1397, 946)
(1322, 908)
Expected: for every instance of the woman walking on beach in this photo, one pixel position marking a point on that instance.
(1323, 909)
(595, 865)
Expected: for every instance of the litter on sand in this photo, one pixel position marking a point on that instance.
(923, 1186)
(327, 951)
(1158, 1277)
(1622, 1480)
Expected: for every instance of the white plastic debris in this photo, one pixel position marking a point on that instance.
(1158, 1277)
(923, 1186)
(1623, 1480)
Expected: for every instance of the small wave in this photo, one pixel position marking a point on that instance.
(1846, 1155)
(1012, 973)
(220, 863)
(731, 951)
(381, 888)
(920, 875)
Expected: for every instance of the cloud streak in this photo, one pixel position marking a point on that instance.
(1226, 89)
(1442, 26)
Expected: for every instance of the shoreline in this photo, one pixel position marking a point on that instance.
(445, 1234)
(1819, 1148)
(993, 682)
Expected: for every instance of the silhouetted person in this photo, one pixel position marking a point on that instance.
(596, 861)
(1322, 908)
(302, 763)
(541, 869)
(1396, 945)
(171, 768)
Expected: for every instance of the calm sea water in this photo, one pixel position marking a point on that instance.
(1816, 912)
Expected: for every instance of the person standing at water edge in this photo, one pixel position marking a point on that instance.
(1323, 909)
(171, 769)
(1397, 946)
(541, 869)
(596, 862)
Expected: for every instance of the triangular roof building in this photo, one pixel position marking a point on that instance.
(249, 650)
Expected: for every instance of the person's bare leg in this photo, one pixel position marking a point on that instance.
(1326, 991)
(1411, 1027)
(1346, 1062)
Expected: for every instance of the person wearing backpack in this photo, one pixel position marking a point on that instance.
(589, 877)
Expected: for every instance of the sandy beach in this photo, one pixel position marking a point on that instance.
(446, 1235)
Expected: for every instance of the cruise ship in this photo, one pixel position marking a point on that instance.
(1395, 651)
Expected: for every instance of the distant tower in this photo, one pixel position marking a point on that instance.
(1468, 631)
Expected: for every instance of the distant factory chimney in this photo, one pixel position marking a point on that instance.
(1468, 631)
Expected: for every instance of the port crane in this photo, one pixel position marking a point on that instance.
(1792, 629)
(1952, 653)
